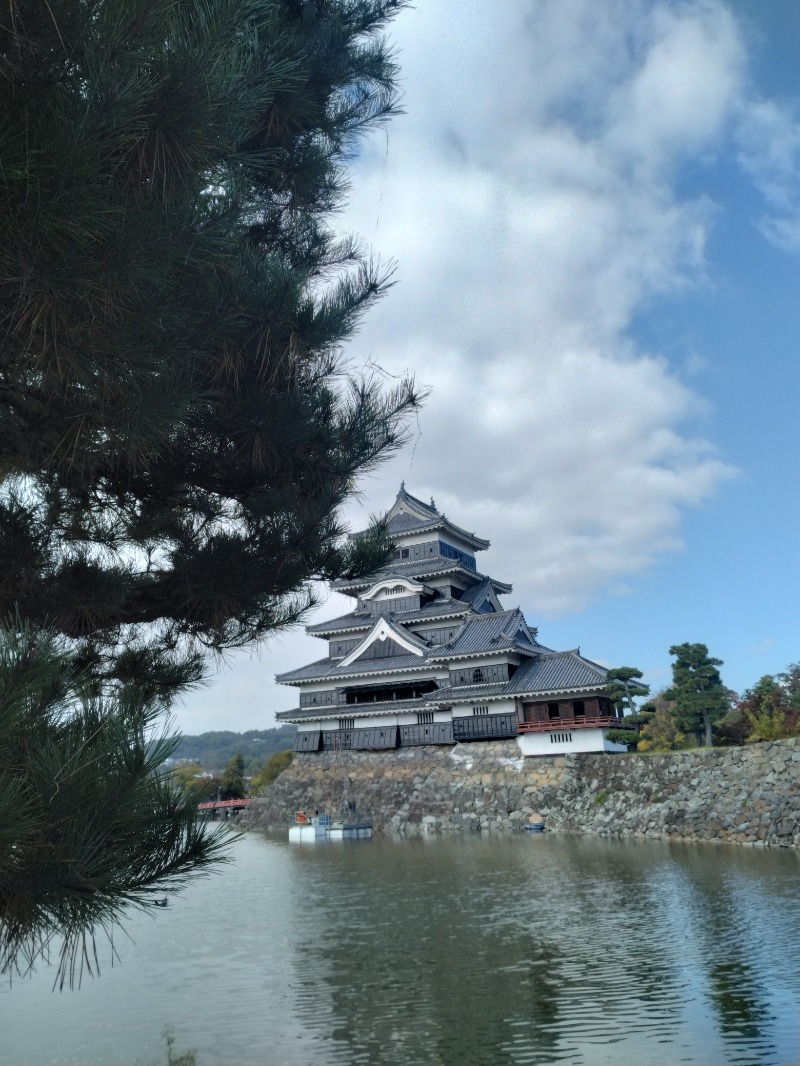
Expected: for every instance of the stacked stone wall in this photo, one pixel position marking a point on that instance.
(744, 795)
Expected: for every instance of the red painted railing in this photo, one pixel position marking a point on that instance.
(606, 721)
(222, 805)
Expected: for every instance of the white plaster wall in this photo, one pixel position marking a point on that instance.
(495, 707)
(374, 721)
(582, 740)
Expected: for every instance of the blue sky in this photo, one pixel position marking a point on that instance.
(595, 212)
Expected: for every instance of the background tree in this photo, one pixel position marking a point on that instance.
(214, 750)
(661, 732)
(697, 694)
(195, 784)
(768, 709)
(233, 785)
(624, 686)
(273, 767)
(789, 680)
(178, 425)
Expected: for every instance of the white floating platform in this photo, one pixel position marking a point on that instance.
(321, 827)
(362, 831)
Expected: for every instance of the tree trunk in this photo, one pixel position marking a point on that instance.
(707, 724)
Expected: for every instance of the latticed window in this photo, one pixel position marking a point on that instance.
(477, 676)
(425, 718)
(482, 708)
(347, 723)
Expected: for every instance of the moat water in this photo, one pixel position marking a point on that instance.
(464, 951)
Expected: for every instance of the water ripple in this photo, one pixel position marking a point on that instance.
(473, 951)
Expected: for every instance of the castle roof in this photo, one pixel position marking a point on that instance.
(354, 710)
(484, 634)
(408, 514)
(445, 607)
(328, 669)
(546, 673)
(436, 566)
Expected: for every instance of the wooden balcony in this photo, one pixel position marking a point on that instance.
(605, 721)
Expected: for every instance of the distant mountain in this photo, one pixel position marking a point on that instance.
(215, 750)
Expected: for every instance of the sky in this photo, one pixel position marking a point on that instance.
(594, 211)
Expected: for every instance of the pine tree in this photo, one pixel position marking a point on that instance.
(178, 427)
(233, 786)
(697, 694)
(90, 825)
(624, 686)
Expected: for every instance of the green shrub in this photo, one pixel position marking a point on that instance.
(273, 768)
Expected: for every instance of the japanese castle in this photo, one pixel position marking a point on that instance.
(429, 655)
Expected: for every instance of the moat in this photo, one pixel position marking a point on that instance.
(474, 949)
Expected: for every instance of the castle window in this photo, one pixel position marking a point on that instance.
(553, 711)
(482, 708)
(347, 723)
(560, 738)
(397, 590)
(477, 676)
(404, 553)
(425, 718)
(579, 708)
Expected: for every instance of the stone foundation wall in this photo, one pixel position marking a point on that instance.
(743, 795)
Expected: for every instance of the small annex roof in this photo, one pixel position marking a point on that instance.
(546, 674)
(488, 633)
(557, 671)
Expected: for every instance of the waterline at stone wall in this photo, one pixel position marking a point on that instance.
(747, 795)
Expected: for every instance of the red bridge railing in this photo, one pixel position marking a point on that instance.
(605, 721)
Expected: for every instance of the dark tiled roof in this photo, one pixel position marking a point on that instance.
(555, 671)
(405, 497)
(415, 569)
(390, 623)
(446, 696)
(352, 710)
(544, 674)
(353, 621)
(485, 633)
(324, 669)
(405, 523)
(445, 607)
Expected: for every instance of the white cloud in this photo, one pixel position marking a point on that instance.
(530, 198)
(769, 152)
